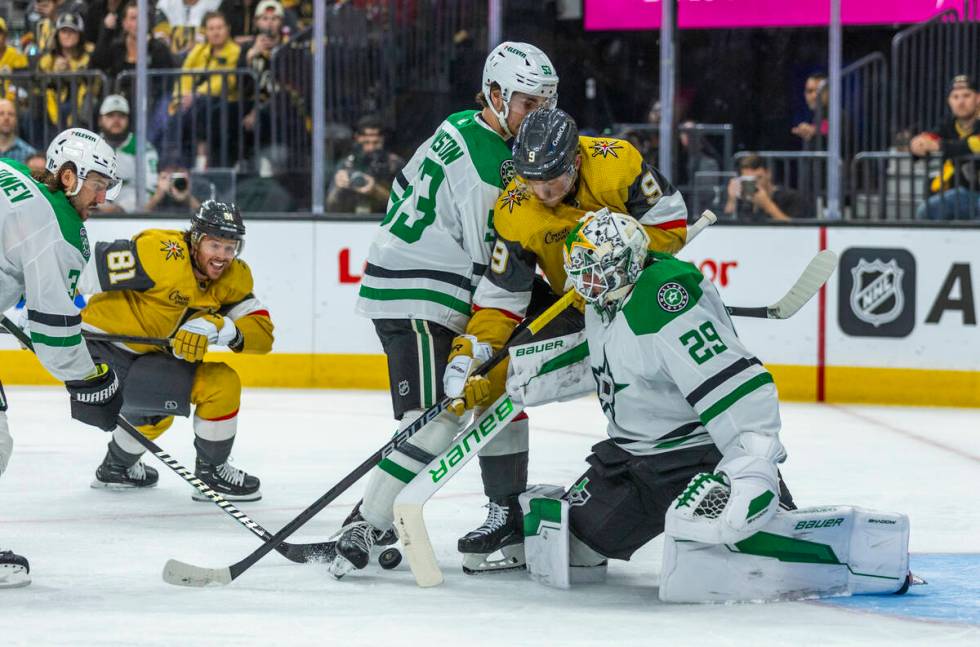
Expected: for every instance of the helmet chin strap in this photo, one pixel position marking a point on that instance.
(502, 117)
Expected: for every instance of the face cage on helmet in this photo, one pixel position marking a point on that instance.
(592, 281)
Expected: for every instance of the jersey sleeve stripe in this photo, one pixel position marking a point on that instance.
(391, 294)
(58, 342)
(673, 224)
(740, 392)
(506, 313)
(720, 378)
(57, 321)
(435, 275)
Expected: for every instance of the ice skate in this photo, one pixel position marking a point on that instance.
(14, 570)
(228, 481)
(498, 544)
(113, 476)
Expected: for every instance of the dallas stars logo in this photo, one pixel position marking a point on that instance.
(606, 387)
(173, 250)
(605, 148)
(514, 198)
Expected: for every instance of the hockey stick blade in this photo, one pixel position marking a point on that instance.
(820, 268)
(181, 573)
(300, 553)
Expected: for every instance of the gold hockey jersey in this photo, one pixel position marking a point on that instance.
(613, 174)
(146, 286)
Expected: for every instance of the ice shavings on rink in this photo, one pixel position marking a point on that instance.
(96, 556)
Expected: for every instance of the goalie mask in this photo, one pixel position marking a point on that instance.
(604, 256)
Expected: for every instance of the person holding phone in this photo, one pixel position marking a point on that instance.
(753, 196)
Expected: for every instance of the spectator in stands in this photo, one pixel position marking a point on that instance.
(257, 55)
(173, 193)
(10, 60)
(363, 181)
(103, 19)
(114, 126)
(65, 100)
(753, 196)
(180, 23)
(114, 55)
(44, 25)
(817, 100)
(241, 19)
(956, 139)
(198, 98)
(36, 162)
(12, 146)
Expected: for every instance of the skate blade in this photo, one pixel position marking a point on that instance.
(254, 496)
(508, 558)
(119, 487)
(14, 576)
(340, 566)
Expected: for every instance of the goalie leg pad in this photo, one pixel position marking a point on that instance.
(813, 552)
(554, 557)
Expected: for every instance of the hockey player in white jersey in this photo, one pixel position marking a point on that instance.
(43, 250)
(693, 424)
(423, 266)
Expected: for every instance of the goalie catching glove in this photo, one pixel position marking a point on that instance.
(193, 338)
(97, 399)
(458, 382)
(728, 506)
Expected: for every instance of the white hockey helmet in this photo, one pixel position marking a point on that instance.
(604, 255)
(519, 67)
(88, 152)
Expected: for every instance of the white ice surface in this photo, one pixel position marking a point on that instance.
(96, 556)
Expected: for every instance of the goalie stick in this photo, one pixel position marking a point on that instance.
(814, 276)
(299, 553)
(183, 574)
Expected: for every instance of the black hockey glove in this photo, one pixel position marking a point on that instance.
(96, 400)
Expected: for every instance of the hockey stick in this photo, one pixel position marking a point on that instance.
(408, 505)
(125, 339)
(299, 553)
(183, 574)
(814, 276)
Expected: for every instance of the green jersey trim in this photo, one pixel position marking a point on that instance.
(740, 392)
(57, 342)
(129, 146)
(488, 151)
(665, 290)
(70, 223)
(416, 294)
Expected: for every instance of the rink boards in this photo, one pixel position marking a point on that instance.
(897, 323)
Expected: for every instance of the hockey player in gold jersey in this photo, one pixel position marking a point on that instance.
(188, 286)
(560, 177)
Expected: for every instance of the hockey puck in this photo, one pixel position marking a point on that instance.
(390, 558)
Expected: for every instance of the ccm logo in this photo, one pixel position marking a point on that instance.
(717, 271)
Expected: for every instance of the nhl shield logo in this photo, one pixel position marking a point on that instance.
(876, 292)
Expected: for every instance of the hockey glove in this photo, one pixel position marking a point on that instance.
(466, 355)
(193, 338)
(96, 400)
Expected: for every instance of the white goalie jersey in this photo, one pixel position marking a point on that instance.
(435, 240)
(671, 372)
